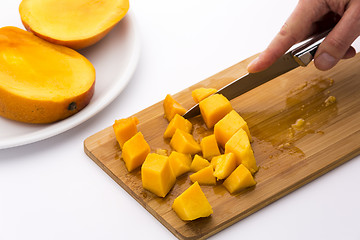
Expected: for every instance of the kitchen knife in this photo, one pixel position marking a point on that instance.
(300, 56)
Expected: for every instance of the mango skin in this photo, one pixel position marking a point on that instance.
(24, 84)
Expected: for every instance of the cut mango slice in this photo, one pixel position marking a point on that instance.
(225, 166)
(239, 179)
(214, 108)
(198, 163)
(184, 142)
(172, 107)
(156, 174)
(204, 176)
(226, 127)
(178, 122)
(124, 129)
(200, 94)
(239, 144)
(135, 151)
(180, 163)
(192, 204)
(209, 147)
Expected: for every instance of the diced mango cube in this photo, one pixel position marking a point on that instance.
(192, 204)
(198, 163)
(124, 129)
(179, 163)
(135, 151)
(178, 122)
(209, 146)
(200, 94)
(184, 142)
(239, 179)
(204, 176)
(156, 174)
(226, 165)
(227, 126)
(215, 161)
(214, 108)
(172, 107)
(239, 144)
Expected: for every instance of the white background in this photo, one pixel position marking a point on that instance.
(52, 190)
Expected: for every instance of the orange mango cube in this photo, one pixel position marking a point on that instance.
(200, 94)
(239, 144)
(198, 163)
(225, 166)
(239, 179)
(227, 126)
(179, 163)
(124, 129)
(204, 176)
(209, 146)
(178, 122)
(157, 175)
(184, 142)
(135, 151)
(172, 107)
(214, 108)
(192, 204)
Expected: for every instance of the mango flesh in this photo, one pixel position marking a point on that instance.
(204, 176)
(209, 147)
(198, 163)
(178, 122)
(125, 129)
(239, 144)
(184, 142)
(172, 107)
(239, 179)
(135, 151)
(225, 166)
(214, 108)
(179, 163)
(157, 175)
(73, 23)
(227, 126)
(192, 204)
(41, 82)
(200, 94)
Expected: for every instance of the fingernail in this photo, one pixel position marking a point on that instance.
(252, 65)
(325, 61)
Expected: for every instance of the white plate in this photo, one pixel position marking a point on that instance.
(115, 58)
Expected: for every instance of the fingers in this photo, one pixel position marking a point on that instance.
(298, 26)
(337, 45)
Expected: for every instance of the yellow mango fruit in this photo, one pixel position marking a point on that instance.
(179, 163)
(172, 107)
(225, 166)
(192, 204)
(209, 146)
(184, 142)
(204, 176)
(239, 144)
(214, 108)
(200, 94)
(178, 122)
(157, 175)
(198, 163)
(124, 129)
(227, 126)
(239, 179)
(135, 151)
(215, 161)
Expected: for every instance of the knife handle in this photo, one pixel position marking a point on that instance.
(305, 53)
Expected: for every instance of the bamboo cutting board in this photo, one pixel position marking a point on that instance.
(288, 156)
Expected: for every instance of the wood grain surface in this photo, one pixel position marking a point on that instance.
(288, 157)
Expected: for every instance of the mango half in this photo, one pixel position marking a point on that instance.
(73, 23)
(41, 82)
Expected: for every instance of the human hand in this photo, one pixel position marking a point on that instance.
(313, 16)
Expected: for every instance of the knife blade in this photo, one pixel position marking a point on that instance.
(302, 55)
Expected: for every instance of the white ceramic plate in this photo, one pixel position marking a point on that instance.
(115, 58)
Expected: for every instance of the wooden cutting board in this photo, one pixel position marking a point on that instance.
(288, 157)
